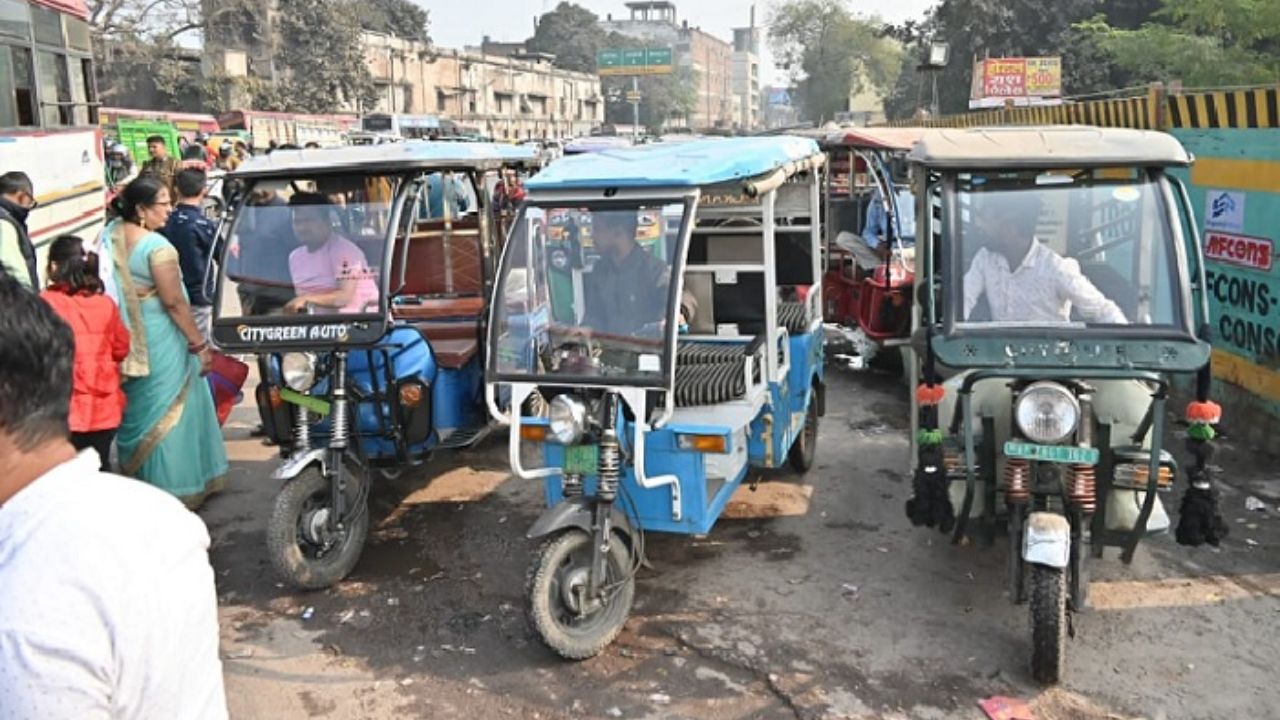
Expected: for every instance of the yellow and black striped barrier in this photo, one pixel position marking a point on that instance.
(1158, 110)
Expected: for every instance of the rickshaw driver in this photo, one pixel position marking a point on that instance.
(627, 287)
(1043, 286)
(328, 270)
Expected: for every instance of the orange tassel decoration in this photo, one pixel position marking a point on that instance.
(929, 394)
(1207, 411)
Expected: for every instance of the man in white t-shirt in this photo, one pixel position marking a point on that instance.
(107, 604)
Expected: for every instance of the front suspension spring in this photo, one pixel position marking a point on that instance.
(301, 429)
(1017, 481)
(1083, 493)
(610, 466)
(572, 485)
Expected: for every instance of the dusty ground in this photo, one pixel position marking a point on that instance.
(817, 600)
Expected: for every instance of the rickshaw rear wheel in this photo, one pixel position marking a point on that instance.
(805, 447)
(1048, 622)
(560, 566)
(298, 517)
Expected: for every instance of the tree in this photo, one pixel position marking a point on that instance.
(322, 58)
(831, 55)
(572, 33)
(398, 18)
(1203, 43)
(662, 98)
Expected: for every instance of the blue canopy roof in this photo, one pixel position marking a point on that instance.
(688, 164)
(389, 156)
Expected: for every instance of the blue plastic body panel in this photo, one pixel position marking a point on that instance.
(703, 499)
(691, 164)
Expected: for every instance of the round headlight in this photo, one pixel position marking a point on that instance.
(568, 419)
(299, 371)
(1047, 412)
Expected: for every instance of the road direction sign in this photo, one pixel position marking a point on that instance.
(635, 61)
(633, 96)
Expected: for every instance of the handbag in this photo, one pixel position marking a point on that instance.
(226, 377)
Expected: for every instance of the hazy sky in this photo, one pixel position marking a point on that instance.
(456, 23)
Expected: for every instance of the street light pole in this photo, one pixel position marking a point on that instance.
(635, 108)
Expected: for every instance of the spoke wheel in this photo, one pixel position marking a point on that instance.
(573, 625)
(805, 447)
(303, 548)
(1048, 622)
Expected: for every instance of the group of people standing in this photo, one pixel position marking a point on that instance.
(139, 311)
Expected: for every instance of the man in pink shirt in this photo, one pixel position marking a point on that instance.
(328, 270)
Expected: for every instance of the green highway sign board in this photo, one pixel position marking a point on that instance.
(634, 61)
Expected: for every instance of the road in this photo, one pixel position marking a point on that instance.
(816, 599)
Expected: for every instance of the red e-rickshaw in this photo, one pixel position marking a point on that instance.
(867, 309)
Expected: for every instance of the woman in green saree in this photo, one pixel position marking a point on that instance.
(170, 435)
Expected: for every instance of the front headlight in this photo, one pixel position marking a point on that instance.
(567, 418)
(1047, 412)
(299, 371)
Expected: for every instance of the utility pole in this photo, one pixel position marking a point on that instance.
(635, 108)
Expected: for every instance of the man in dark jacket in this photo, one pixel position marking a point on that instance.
(192, 234)
(17, 254)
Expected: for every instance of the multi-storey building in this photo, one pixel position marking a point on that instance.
(746, 73)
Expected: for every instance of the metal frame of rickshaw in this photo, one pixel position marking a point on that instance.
(639, 507)
(1149, 355)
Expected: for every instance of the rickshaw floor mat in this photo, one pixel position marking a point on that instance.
(793, 316)
(709, 383)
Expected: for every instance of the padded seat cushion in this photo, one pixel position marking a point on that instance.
(439, 309)
(709, 383)
(453, 354)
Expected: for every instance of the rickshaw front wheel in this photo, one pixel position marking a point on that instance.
(1048, 622)
(303, 549)
(805, 447)
(573, 625)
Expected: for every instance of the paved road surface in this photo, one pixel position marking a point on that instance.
(817, 600)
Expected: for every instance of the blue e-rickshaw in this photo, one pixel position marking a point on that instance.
(672, 365)
(359, 276)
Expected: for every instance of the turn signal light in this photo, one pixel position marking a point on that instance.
(533, 433)
(703, 443)
(410, 395)
(273, 396)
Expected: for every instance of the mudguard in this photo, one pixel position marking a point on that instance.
(291, 468)
(1047, 540)
(575, 513)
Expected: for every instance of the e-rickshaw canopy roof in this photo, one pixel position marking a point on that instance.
(899, 139)
(680, 165)
(1053, 146)
(388, 157)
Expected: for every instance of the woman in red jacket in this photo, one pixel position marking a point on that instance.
(102, 342)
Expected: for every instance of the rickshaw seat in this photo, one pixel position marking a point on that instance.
(453, 354)
(425, 266)
(440, 308)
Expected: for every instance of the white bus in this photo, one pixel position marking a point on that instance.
(48, 121)
(408, 127)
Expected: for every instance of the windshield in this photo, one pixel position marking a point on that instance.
(1067, 248)
(309, 245)
(587, 292)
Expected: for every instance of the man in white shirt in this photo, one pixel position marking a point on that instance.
(107, 605)
(1022, 279)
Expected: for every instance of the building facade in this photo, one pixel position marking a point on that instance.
(711, 59)
(515, 96)
(509, 94)
(746, 74)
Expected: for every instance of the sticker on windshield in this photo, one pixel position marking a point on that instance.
(650, 363)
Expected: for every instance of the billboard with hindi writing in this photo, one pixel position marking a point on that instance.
(1022, 80)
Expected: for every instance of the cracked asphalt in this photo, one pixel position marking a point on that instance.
(815, 599)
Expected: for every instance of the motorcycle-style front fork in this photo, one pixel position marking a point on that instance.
(338, 436)
(609, 475)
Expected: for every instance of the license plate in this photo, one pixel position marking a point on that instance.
(1052, 453)
(314, 404)
(582, 459)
